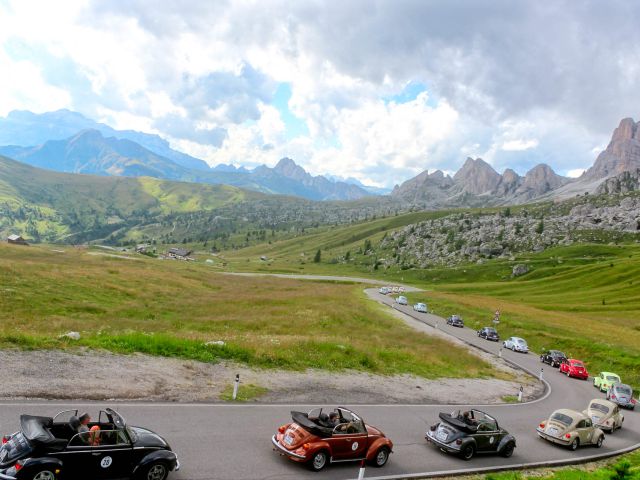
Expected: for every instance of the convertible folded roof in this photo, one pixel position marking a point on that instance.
(34, 429)
(303, 420)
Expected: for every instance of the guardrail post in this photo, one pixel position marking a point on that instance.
(235, 386)
(541, 373)
(436, 325)
(520, 394)
(500, 352)
(361, 473)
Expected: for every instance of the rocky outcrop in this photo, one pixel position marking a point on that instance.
(621, 155)
(622, 183)
(538, 181)
(428, 188)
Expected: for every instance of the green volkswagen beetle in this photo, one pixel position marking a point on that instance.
(605, 380)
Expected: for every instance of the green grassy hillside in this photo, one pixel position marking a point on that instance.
(51, 206)
(139, 304)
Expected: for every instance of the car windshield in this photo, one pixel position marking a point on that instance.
(491, 330)
(520, 341)
(562, 418)
(599, 407)
(16, 447)
(577, 364)
(613, 378)
(624, 390)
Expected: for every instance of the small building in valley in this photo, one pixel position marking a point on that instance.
(16, 240)
(179, 253)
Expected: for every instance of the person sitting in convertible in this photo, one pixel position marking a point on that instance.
(334, 419)
(467, 419)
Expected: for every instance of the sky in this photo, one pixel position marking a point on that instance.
(371, 89)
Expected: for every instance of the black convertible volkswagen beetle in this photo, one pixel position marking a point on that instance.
(48, 448)
(470, 432)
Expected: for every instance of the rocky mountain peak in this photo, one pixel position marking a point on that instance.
(542, 179)
(477, 177)
(621, 155)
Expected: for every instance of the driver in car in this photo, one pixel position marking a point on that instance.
(467, 419)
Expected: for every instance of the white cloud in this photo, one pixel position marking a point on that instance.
(575, 173)
(520, 145)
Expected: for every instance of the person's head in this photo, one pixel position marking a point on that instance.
(333, 416)
(466, 414)
(85, 418)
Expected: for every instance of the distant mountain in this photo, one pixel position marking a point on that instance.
(66, 141)
(478, 184)
(25, 129)
(354, 181)
(288, 175)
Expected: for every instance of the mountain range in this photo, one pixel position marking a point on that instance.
(478, 184)
(67, 141)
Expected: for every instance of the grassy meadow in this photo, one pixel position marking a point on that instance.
(170, 308)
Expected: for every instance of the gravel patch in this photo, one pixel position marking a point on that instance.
(91, 375)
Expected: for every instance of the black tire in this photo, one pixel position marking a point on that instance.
(575, 444)
(508, 449)
(600, 440)
(43, 474)
(157, 470)
(319, 460)
(468, 451)
(381, 457)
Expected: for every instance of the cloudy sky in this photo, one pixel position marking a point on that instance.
(377, 90)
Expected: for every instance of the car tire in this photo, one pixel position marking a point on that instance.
(468, 451)
(575, 444)
(508, 449)
(44, 474)
(319, 461)
(381, 457)
(157, 470)
(601, 440)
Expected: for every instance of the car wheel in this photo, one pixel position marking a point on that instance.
(468, 451)
(155, 471)
(382, 457)
(600, 440)
(507, 451)
(319, 461)
(44, 475)
(575, 444)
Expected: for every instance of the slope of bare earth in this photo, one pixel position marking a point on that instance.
(90, 375)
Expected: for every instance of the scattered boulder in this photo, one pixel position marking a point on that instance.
(71, 335)
(520, 269)
(216, 343)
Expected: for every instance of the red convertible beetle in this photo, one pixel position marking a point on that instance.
(574, 368)
(317, 439)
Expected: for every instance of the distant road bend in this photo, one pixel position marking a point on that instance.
(232, 442)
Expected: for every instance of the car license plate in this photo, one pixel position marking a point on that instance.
(288, 439)
(442, 436)
(553, 432)
(595, 419)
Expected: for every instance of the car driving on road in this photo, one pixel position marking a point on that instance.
(455, 321)
(420, 307)
(383, 290)
(553, 358)
(49, 448)
(402, 300)
(470, 432)
(318, 439)
(516, 344)
(622, 394)
(571, 429)
(604, 415)
(604, 380)
(489, 333)
(574, 368)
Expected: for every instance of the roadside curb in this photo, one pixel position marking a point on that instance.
(502, 468)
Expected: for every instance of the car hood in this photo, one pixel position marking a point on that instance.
(147, 438)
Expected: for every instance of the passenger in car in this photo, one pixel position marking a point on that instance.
(85, 419)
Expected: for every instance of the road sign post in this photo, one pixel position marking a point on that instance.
(520, 394)
(361, 472)
(235, 386)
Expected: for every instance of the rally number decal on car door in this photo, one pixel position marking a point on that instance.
(354, 447)
(106, 462)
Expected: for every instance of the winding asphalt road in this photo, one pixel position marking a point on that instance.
(232, 442)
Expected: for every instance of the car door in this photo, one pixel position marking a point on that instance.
(77, 461)
(349, 442)
(585, 431)
(113, 456)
